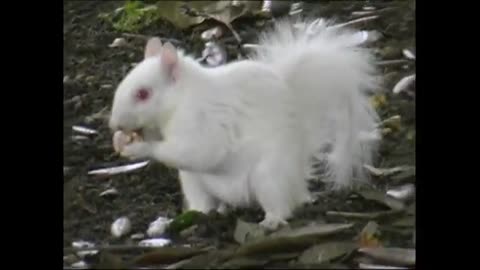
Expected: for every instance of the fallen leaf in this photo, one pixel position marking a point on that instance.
(313, 230)
(385, 172)
(283, 256)
(408, 222)
(137, 15)
(396, 256)
(378, 101)
(368, 235)
(381, 197)
(376, 266)
(245, 231)
(407, 175)
(244, 262)
(291, 240)
(208, 260)
(166, 255)
(225, 12)
(109, 261)
(326, 252)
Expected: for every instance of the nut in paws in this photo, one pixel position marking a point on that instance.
(136, 150)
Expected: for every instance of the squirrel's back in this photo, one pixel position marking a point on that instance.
(251, 99)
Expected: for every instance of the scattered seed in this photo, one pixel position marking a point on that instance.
(109, 192)
(120, 227)
(404, 193)
(80, 265)
(213, 33)
(154, 242)
(82, 254)
(158, 227)
(82, 244)
(403, 84)
(408, 54)
(84, 130)
(214, 54)
(118, 42)
(119, 169)
(137, 236)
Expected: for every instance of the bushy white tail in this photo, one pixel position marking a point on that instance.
(331, 73)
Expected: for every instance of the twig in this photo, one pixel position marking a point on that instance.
(235, 34)
(359, 20)
(371, 215)
(372, 12)
(375, 266)
(122, 248)
(110, 248)
(393, 62)
(135, 36)
(145, 37)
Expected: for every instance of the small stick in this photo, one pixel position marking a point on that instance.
(372, 215)
(145, 37)
(393, 62)
(359, 20)
(118, 248)
(109, 248)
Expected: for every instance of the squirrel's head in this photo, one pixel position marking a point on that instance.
(140, 98)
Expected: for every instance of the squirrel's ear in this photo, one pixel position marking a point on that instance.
(169, 59)
(153, 47)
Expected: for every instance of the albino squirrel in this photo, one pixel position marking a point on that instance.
(251, 132)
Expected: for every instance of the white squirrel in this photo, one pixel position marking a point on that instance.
(251, 131)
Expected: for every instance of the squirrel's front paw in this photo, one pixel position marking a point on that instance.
(136, 150)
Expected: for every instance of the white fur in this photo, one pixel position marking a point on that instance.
(243, 133)
(330, 74)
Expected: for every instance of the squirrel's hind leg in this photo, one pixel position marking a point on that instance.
(279, 188)
(195, 195)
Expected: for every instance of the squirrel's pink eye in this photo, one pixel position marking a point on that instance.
(142, 94)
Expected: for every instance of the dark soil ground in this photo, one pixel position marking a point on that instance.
(92, 70)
